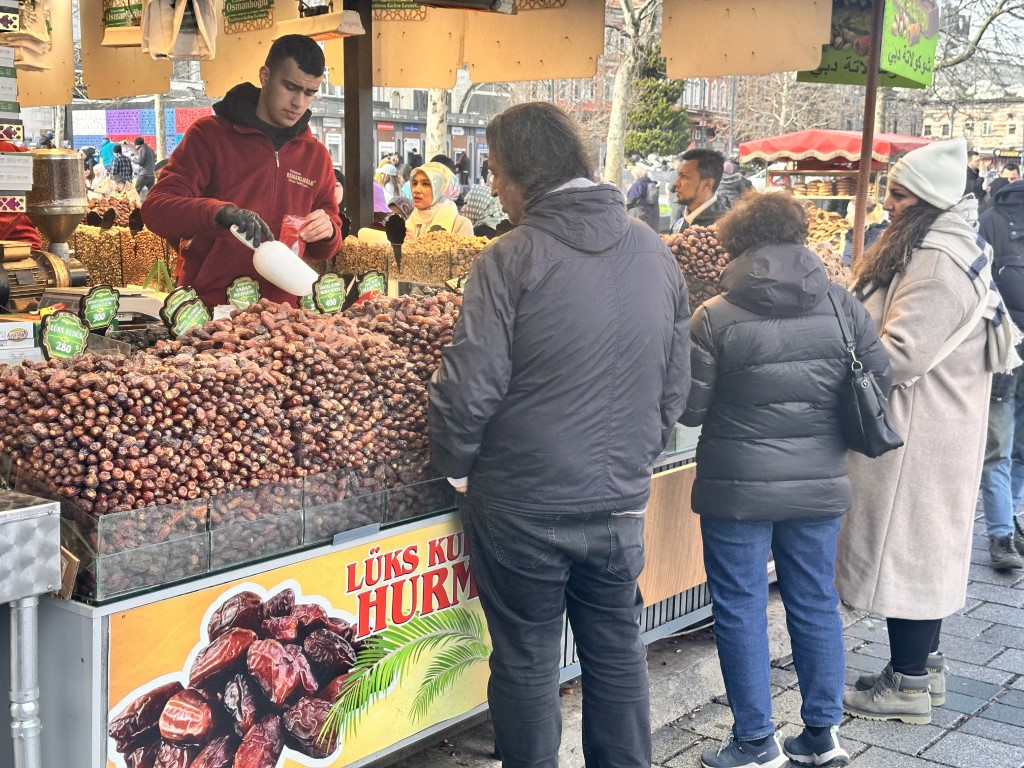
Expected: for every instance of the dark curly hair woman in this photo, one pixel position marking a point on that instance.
(768, 362)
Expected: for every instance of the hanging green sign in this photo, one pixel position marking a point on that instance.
(307, 302)
(243, 292)
(99, 307)
(175, 299)
(373, 281)
(63, 335)
(188, 315)
(329, 293)
(910, 32)
(122, 14)
(247, 15)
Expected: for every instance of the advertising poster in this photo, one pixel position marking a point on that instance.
(250, 671)
(910, 33)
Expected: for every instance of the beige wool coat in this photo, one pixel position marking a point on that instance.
(904, 549)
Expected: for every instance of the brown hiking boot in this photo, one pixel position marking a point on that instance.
(893, 697)
(936, 666)
(1003, 554)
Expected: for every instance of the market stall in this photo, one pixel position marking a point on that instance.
(823, 164)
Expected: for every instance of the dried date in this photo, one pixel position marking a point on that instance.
(271, 666)
(332, 690)
(283, 628)
(262, 745)
(187, 718)
(242, 610)
(175, 755)
(243, 702)
(306, 677)
(303, 721)
(218, 753)
(143, 757)
(280, 604)
(221, 655)
(330, 650)
(141, 716)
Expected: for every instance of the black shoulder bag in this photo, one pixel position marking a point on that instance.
(863, 407)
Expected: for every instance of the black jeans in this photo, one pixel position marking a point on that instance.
(532, 569)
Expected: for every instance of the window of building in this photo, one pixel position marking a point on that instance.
(589, 91)
(945, 129)
(927, 129)
(968, 125)
(1011, 129)
(609, 88)
(396, 100)
(986, 127)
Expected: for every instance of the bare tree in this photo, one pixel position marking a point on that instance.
(769, 105)
(437, 122)
(639, 24)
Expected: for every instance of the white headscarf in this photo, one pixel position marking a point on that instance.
(442, 211)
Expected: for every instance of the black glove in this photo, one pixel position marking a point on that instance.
(249, 224)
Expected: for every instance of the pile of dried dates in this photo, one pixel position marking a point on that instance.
(266, 681)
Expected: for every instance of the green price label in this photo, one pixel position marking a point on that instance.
(99, 307)
(329, 293)
(308, 302)
(127, 15)
(243, 292)
(373, 281)
(238, 11)
(188, 315)
(63, 335)
(175, 299)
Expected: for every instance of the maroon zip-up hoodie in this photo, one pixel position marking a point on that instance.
(226, 159)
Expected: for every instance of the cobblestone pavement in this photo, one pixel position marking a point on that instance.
(981, 724)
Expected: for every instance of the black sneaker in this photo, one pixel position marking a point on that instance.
(1003, 555)
(823, 750)
(745, 754)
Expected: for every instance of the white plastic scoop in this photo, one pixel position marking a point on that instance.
(281, 266)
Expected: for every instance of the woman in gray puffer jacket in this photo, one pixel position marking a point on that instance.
(768, 363)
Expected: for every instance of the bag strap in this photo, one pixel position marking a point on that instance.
(855, 364)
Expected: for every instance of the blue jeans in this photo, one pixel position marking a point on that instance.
(1002, 474)
(736, 559)
(532, 569)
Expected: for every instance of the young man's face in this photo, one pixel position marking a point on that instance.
(974, 161)
(691, 189)
(286, 95)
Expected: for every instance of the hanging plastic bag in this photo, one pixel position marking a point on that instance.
(31, 42)
(179, 29)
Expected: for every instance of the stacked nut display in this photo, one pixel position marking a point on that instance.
(266, 681)
(121, 206)
(701, 258)
(100, 251)
(439, 256)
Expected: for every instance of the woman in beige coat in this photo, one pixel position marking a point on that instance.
(904, 549)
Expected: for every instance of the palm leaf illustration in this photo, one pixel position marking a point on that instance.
(387, 656)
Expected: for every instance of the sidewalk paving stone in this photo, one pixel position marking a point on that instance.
(970, 686)
(993, 593)
(1012, 698)
(875, 757)
(978, 672)
(896, 736)
(670, 741)
(1003, 713)
(1011, 659)
(1004, 635)
(958, 702)
(871, 629)
(997, 614)
(963, 750)
(863, 663)
(985, 574)
(991, 729)
(973, 651)
(964, 626)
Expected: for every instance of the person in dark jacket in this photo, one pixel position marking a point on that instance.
(1009, 174)
(700, 172)
(643, 198)
(733, 184)
(567, 371)
(1002, 474)
(975, 183)
(768, 364)
(122, 165)
(146, 159)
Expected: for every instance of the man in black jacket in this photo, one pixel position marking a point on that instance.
(567, 372)
(1002, 475)
(700, 173)
(975, 184)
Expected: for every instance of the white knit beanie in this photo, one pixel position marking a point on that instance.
(936, 173)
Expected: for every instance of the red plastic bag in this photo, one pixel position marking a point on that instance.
(291, 225)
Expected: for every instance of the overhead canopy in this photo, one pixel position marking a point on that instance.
(820, 144)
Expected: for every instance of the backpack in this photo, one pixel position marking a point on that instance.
(653, 196)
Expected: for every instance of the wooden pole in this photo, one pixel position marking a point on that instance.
(359, 160)
(868, 138)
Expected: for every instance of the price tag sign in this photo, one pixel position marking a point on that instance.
(188, 315)
(99, 307)
(175, 299)
(373, 281)
(243, 292)
(307, 302)
(329, 293)
(63, 335)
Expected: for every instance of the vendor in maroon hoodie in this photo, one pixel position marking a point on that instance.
(250, 164)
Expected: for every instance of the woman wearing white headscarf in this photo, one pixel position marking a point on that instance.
(434, 188)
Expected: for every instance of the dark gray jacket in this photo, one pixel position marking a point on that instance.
(570, 363)
(768, 363)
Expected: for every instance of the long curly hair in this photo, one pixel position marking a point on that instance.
(891, 253)
(760, 218)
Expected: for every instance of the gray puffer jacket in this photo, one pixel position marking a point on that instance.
(768, 363)
(570, 363)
